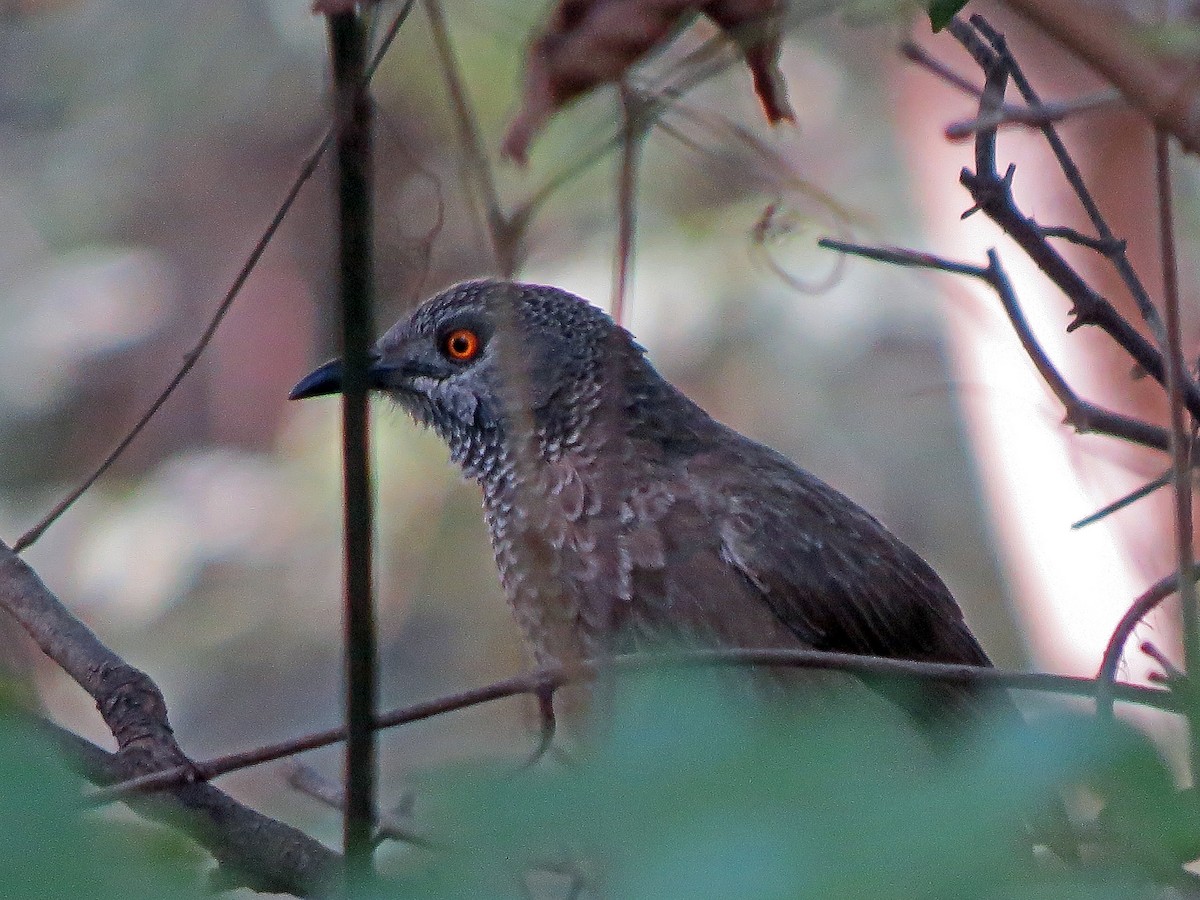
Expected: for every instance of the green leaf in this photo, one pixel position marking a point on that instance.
(692, 790)
(54, 847)
(942, 11)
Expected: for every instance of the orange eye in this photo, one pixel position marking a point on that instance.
(461, 345)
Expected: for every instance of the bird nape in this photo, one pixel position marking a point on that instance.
(622, 515)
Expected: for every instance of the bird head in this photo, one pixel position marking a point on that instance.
(449, 364)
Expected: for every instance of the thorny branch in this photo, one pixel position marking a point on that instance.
(1106, 41)
(1082, 415)
(1106, 243)
(992, 194)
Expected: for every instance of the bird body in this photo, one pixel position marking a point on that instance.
(622, 515)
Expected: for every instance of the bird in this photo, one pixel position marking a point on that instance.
(623, 516)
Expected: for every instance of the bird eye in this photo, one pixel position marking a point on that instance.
(461, 345)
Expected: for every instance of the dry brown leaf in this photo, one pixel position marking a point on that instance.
(754, 24)
(587, 43)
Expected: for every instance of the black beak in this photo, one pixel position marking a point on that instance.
(318, 383)
(328, 379)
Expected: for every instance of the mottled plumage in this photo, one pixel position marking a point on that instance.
(621, 513)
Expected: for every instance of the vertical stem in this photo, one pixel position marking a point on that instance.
(504, 236)
(347, 39)
(632, 133)
(1180, 440)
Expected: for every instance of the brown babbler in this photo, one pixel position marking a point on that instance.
(621, 513)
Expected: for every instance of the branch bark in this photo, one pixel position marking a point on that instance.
(252, 849)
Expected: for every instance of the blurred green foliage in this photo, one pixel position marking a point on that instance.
(53, 849)
(691, 793)
(942, 11)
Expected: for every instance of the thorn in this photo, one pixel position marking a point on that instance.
(1169, 671)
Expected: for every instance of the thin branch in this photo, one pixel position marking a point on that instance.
(390, 35)
(993, 195)
(1181, 450)
(1120, 503)
(1109, 246)
(1082, 415)
(1033, 116)
(263, 853)
(911, 259)
(1067, 233)
(352, 107)
(915, 53)
(552, 678)
(1106, 676)
(634, 126)
(504, 236)
(192, 356)
(1105, 40)
(312, 783)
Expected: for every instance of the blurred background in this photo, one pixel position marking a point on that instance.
(145, 145)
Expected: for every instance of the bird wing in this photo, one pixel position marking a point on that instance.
(824, 566)
(678, 579)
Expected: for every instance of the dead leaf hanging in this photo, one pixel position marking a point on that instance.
(587, 43)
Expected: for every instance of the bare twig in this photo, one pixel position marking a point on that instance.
(1067, 233)
(352, 106)
(1120, 503)
(308, 780)
(1146, 603)
(1082, 415)
(505, 237)
(193, 355)
(1107, 245)
(914, 52)
(1181, 450)
(1104, 40)
(1032, 116)
(993, 195)
(634, 126)
(267, 854)
(554, 677)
